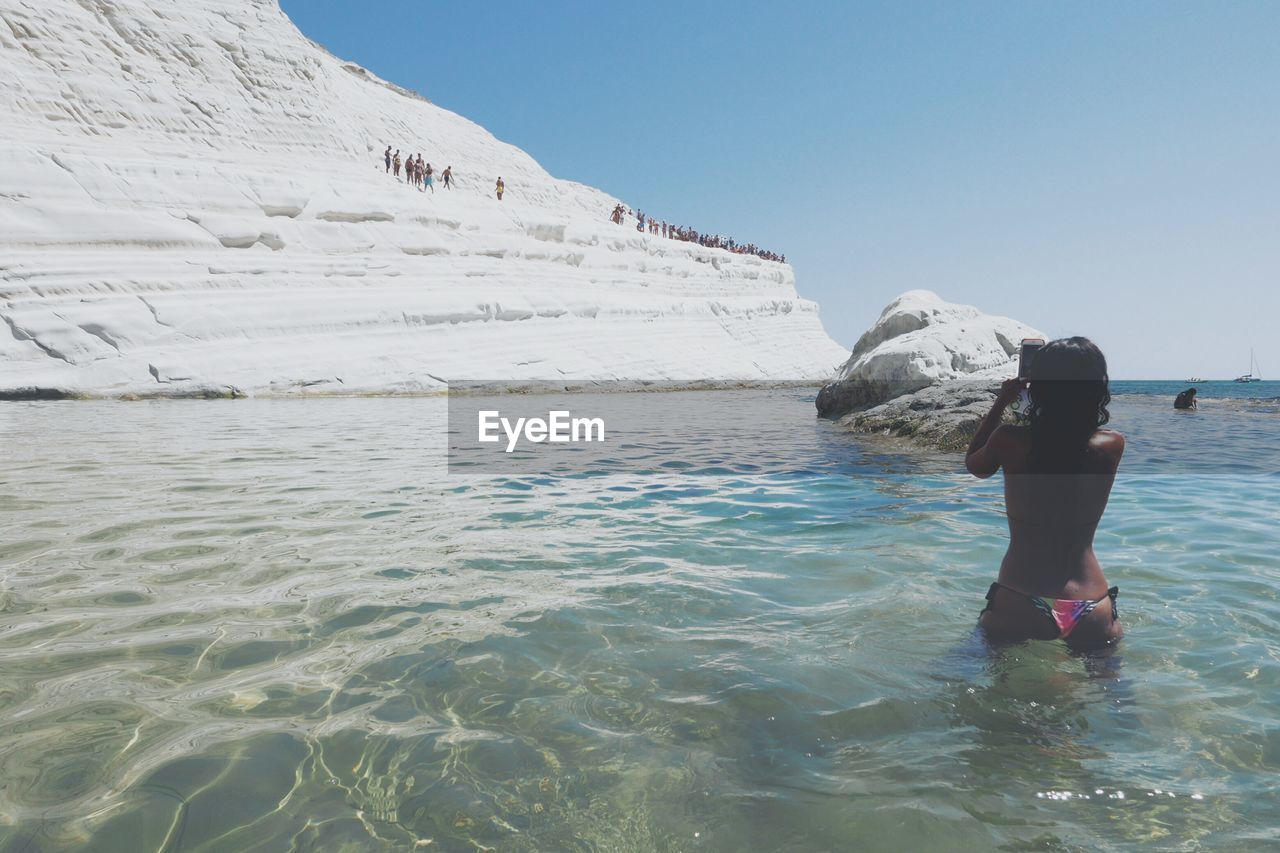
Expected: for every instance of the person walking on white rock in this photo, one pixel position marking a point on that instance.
(428, 180)
(447, 176)
(501, 188)
(395, 164)
(387, 155)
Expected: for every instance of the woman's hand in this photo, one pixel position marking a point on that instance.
(1009, 391)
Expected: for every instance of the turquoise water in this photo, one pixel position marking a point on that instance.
(1240, 396)
(1211, 388)
(280, 625)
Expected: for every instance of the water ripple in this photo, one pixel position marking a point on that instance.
(230, 626)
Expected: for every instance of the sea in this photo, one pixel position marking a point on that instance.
(295, 625)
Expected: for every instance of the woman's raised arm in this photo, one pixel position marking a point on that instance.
(983, 456)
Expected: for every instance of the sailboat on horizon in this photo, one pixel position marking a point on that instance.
(1254, 374)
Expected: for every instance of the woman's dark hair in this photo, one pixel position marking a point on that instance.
(1069, 396)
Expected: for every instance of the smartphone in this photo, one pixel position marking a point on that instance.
(1022, 405)
(1030, 346)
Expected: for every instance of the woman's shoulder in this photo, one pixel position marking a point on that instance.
(1109, 440)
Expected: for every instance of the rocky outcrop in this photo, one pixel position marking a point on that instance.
(941, 416)
(927, 370)
(922, 340)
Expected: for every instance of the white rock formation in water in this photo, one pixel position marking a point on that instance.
(921, 340)
(193, 198)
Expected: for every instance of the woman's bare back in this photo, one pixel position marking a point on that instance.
(1053, 518)
(1050, 560)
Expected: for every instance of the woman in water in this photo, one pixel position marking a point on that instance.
(1058, 472)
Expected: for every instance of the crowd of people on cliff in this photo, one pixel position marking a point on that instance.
(674, 232)
(417, 174)
(421, 176)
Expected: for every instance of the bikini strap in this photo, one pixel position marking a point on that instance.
(991, 597)
(1044, 605)
(997, 585)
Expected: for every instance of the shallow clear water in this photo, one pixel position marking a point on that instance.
(274, 625)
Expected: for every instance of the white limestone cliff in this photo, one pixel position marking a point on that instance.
(193, 199)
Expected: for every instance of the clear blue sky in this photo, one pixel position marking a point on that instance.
(1099, 168)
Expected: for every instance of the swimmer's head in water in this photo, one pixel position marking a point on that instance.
(1069, 394)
